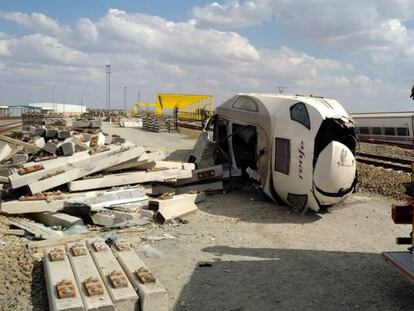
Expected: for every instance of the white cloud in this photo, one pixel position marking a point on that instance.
(376, 26)
(151, 54)
(35, 21)
(232, 14)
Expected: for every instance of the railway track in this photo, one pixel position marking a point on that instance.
(394, 163)
(9, 126)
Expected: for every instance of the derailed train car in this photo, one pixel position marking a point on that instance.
(300, 149)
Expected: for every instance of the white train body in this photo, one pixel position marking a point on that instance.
(392, 127)
(301, 149)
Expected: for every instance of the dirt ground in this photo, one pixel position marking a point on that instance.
(242, 252)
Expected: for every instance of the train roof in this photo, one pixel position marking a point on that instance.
(269, 104)
(398, 114)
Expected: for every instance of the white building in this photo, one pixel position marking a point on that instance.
(60, 108)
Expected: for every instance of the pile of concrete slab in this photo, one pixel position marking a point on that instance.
(159, 124)
(67, 178)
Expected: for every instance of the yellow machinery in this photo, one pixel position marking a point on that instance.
(189, 106)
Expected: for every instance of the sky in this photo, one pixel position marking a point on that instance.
(360, 52)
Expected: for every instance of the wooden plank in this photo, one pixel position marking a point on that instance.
(95, 163)
(153, 296)
(57, 271)
(84, 268)
(123, 298)
(127, 179)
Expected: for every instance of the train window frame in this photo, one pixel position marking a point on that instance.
(303, 116)
(363, 130)
(282, 155)
(241, 101)
(405, 131)
(389, 131)
(374, 129)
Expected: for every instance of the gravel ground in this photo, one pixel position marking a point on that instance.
(385, 182)
(391, 151)
(21, 275)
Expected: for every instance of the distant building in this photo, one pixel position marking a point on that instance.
(17, 111)
(60, 108)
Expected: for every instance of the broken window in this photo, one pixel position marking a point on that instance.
(282, 155)
(245, 146)
(299, 113)
(245, 103)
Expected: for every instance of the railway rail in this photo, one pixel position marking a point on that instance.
(394, 163)
(9, 126)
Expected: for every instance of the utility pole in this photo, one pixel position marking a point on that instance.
(125, 98)
(54, 98)
(108, 87)
(139, 96)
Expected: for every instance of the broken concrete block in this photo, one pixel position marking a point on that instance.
(58, 271)
(117, 140)
(105, 219)
(50, 147)
(38, 141)
(177, 206)
(5, 172)
(32, 130)
(63, 134)
(57, 219)
(97, 140)
(153, 296)
(40, 131)
(5, 151)
(19, 158)
(68, 148)
(51, 133)
(108, 139)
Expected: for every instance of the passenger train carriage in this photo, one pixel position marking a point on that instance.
(300, 149)
(387, 127)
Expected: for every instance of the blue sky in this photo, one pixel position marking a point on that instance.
(359, 52)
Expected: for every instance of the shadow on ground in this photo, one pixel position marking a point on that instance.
(254, 208)
(179, 155)
(284, 279)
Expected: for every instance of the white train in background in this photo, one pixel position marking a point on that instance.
(385, 127)
(299, 149)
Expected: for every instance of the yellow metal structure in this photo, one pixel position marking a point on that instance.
(190, 106)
